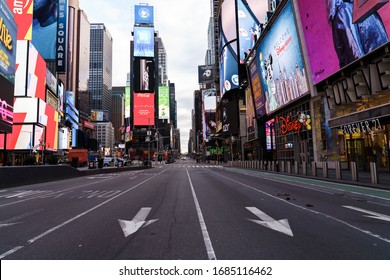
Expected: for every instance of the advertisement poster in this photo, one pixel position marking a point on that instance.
(206, 74)
(163, 103)
(6, 105)
(333, 41)
(144, 80)
(250, 115)
(143, 41)
(144, 109)
(22, 11)
(228, 68)
(143, 14)
(257, 91)
(283, 76)
(8, 43)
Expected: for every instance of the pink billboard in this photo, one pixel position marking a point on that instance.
(333, 40)
(143, 109)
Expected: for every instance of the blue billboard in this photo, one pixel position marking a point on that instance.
(228, 66)
(279, 58)
(143, 14)
(143, 41)
(8, 41)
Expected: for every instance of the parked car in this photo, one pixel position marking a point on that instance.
(107, 161)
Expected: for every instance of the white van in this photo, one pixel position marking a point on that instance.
(107, 161)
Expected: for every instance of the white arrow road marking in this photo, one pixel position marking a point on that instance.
(280, 225)
(372, 214)
(130, 227)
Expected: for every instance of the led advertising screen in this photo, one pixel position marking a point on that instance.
(36, 78)
(250, 114)
(270, 134)
(257, 91)
(22, 11)
(163, 103)
(279, 57)
(44, 28)
(26, 110)
(127, 102)
(143, 109)
(143, 41)
(230, 120)
(6, 105)
(211, 125)
(144, 75)
(248, 28)
(99, 115)
(228, 70)
(8, 43)
(333, 41)
(61, 97)
(206, 74)
(21, 68)
(143, 14)
(51, 129)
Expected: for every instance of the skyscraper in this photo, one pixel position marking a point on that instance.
(100, 68)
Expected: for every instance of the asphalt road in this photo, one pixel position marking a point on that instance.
(193, 211)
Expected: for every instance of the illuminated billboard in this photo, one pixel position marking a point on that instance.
(143, 109)
(279, 58)
(163, 103)
(250, 115)
(206, 74)
(22, 11)
(143, 41)
(333, 41)
(257, 92)
(144, 75)
(99, 115)
(44, 28)
(143, 14)
(21, 68)
(36, 77)
(230, 119)
(8, 43)
(127, 102)
(6, 105)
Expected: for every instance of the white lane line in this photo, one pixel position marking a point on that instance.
(205, 233)
(10, 252)
(372, 214)
(309, 210)
(32, 240)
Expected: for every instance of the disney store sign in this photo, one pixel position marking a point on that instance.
(288, 125)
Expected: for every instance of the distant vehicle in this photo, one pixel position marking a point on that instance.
(81, 154)
(107, 161)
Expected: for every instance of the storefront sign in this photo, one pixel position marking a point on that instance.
(366, 81)
(287, 125)
(361, 127)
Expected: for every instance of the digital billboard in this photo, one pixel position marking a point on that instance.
(127, 102)
(6, 105)
(163, 103)
(250, 114)
(21, 67)
(333, 41)
(143, 14)
(143, 41)
(36, 77)
(22, 11)
(144, 75)
(206, 74)
(211, 125)
(270, 134)
(7, 43)
(51, 132)
(143, 109)
(44, 28)
(248, 28)
(257, 91)
(279, 58)
(230, 120)
(100, 115)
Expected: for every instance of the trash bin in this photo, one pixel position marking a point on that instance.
(91, 164)
(100, 162)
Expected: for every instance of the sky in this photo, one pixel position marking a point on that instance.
(182, 25)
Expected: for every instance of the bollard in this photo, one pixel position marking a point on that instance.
(374, 173)
(282, 166)
(304, 168)
(272, 166)
(314, 169)
(296, 167)
(354, 172)
(338, 170)
(325, 169)
(289, 167)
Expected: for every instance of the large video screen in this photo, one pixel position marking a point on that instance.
(333, 40)
(22, 11)
(6, 105)
(8, 44)
(143, 41)
(143, 14)
(163, 103)
(144, 75)
(279, 58)
(143, 109)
